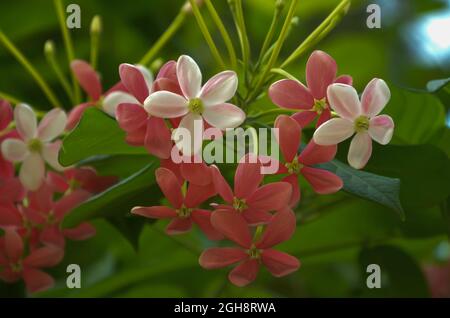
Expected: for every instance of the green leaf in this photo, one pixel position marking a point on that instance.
(401, 276)
(96, 134)
(369, 186)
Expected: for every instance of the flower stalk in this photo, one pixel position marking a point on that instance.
(96, 30)
(238, 16)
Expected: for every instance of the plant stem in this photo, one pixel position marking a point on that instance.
(275, 19)
(69, 47)
(238, 16)
(209, 40)
(13, 100)
(223, 31)
(96, 28)
(29, 67)
(164, 38)
(284, 73)
(321, 31)
(272, 112)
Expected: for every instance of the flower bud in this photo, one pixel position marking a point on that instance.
(279, 4)
(187, 6)
(49, 49)
(96, 25)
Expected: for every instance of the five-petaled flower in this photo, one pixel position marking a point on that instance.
(35, 146)
(251, 253)
(311, 101)
(357, 117)
(197, 103)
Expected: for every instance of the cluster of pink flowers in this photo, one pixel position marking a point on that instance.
(34, 203)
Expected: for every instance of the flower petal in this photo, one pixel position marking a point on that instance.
(112, 101)
(69, 202)
(88, 78)
(224, 116)
(218, 257)
(75, 115)
(221, 185)
(244, 273)
(291, 94)
(278, 263)
(344, 79)
(10, 216)
(52, 125)
(381, 129)
(248, 176)
(333, 132)
(131, 116)
(32, 171)
(344, 100)
(280, 229)
(13, 245)
(188, 136)
(6, 114)
(52, 236)
(179, 226)
(189, 76)
(320, 73)
(255, 217)
(314, 154)
(37, 280)
(50, 154)
(325, 116)
(26, 122)
(219, 88)
(288, 137)
(168, 70)
(198, 173)
(47, 256)
(296, 194)
(360, 150)
(233, 226)
(134, 81)
(148, 76)
(304, 118)
(322, 181)
(158, 138)
(155, 212)
(14, 150)
(197, 194)
(82, 232)
(169, 185)
(203, 219)
(271, 196)
(375, 96)
(164, 104)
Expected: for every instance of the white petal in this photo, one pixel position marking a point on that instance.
(333, 131)
(50, 154)
(360, 150)
(164, 104)
(14, 149)
(220, 88)
(26, 121)
(189, 76)
(344, 100)
(188, 136)
(224, 116)
(52, 125)
(381, 129)
(113, 100)
(32, 171)
(148, 76)
(375, 96)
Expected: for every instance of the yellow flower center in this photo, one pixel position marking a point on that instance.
(361, 124)
(184, 212)
(254, 252)
(35, 145)
(294, 167)
(320, 105)
(239, 204)
(196, 106)
(17, 267)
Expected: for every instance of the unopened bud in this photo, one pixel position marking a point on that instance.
(156, 65)
(49, 48)
(187, 8)
(295, 21)
(279, 4)
(96, 25)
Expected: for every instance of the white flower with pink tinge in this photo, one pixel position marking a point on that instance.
(36, 146)
(357, 117)
(197, 103)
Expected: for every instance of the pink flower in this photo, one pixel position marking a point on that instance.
(36, 146)
(197, 103)
(185, 209)
(14, 266)
(289, 139)
(250, 254)
(252, 201)
(357, 117)
(311, 101)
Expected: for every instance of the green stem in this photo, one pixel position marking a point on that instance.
(223, 31)
(69, 47)
(209, 40)
(272, 112)
(320, 32)
(284, 73)
(164, 38)
(96, 28)
(275, 19)
(12, 99)
(29, 67)
(238, 16)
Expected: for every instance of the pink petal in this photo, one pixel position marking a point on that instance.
(168, 70)
(11, 190)
(155, 212)
(7, 169)
(164, 104)
(170, 186)
(271, 197)
(203, 219)
(289, 136)
(333, 132)
(158, 138)
(198, 173)
(280, 229)
(165, 84)
(360, 150)
(304, 118)
(221, 185)
(52, 236)
(223, 116)
(57, 182)
(344, 100)
(70, 202)
(10, 216)
(189, 76)
(37, 280)
(233, 226)
(325, 116)
(41, 199)
(344, 79)
(291, 94)
(247, 177)
(278, 263)
(114, 99)
(320, 73)
(26, 122)
(197, 194)
(172, 166)
(295, 196)
(219, 257)
(88, 78)
(134, 81)
(322, 181)
(6, 114)
(381, 129)
(82, 232)
(137, 137)
(244, 273)
(219, 88)
(52, 125)
(314, 154)
(13, 245)
(375, 96)
(179, 226)
(255, 217)
(47, 256)
(75, 115)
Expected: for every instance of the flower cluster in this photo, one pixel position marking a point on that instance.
(34, 203)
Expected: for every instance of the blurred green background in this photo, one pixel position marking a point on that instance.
(411, 48)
